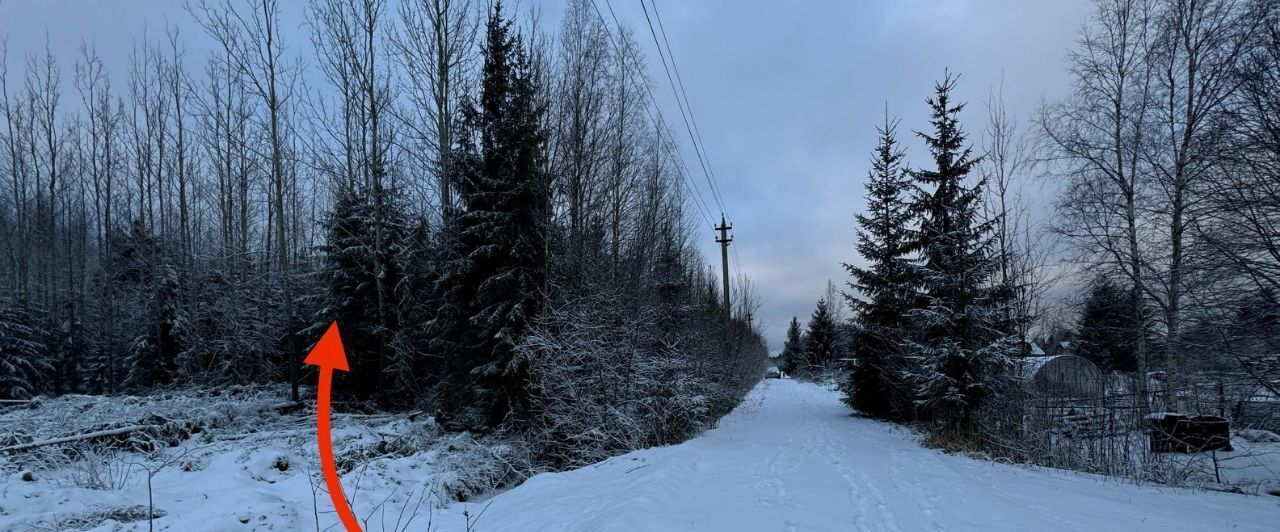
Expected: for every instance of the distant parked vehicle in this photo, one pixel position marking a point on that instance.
(772, 373)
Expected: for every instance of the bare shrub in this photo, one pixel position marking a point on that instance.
(471, 467)
(606, 384)
(101, 470)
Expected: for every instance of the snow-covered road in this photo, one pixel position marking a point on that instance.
(791, 458)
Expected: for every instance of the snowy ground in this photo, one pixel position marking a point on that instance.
(249, 467)
(790, 458)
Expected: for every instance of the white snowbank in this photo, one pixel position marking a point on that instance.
(249, 468)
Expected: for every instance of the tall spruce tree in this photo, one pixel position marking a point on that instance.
(145, 273)
(352, 264)
(496, 279)
(153, 357)
(67, 348)
(1106, 327)
(885, 286)
(24, 353)
(792, 355)
(959, 350)
(820, 340)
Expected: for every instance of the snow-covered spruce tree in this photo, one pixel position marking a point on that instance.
(1255, 328)
(670, 288)
(495, 280)
(237, 332)
(154, 318)
(153, 357)
(820, 342)
(352, 266)
(414, 369)
(960, 355)
(24, 356)
(67, 349)
(1105, 331)
(885, 288)
(792, 356)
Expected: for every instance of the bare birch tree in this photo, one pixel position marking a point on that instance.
(250, 36)
(435, 44)
(1198, 48)
(1098, 137)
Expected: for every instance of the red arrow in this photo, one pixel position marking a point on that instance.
(329, 355)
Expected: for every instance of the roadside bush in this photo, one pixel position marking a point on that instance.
(470, 468)
(608, 378)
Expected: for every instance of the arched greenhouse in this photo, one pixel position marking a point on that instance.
(1060, 376)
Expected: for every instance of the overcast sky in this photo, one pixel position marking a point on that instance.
(786, 95)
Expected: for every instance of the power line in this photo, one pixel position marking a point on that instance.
(690, 122)
(680, 81)
(737, 263)
(695, 132)
(699, 202)
(659, 123)
(685, 176)
(693, 138)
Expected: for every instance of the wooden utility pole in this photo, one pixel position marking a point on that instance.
(724, 239)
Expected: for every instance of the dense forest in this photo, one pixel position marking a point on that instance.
(492, 214)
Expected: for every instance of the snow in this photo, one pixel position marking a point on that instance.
(249, 469)
(791, 458)
(1258, 435)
